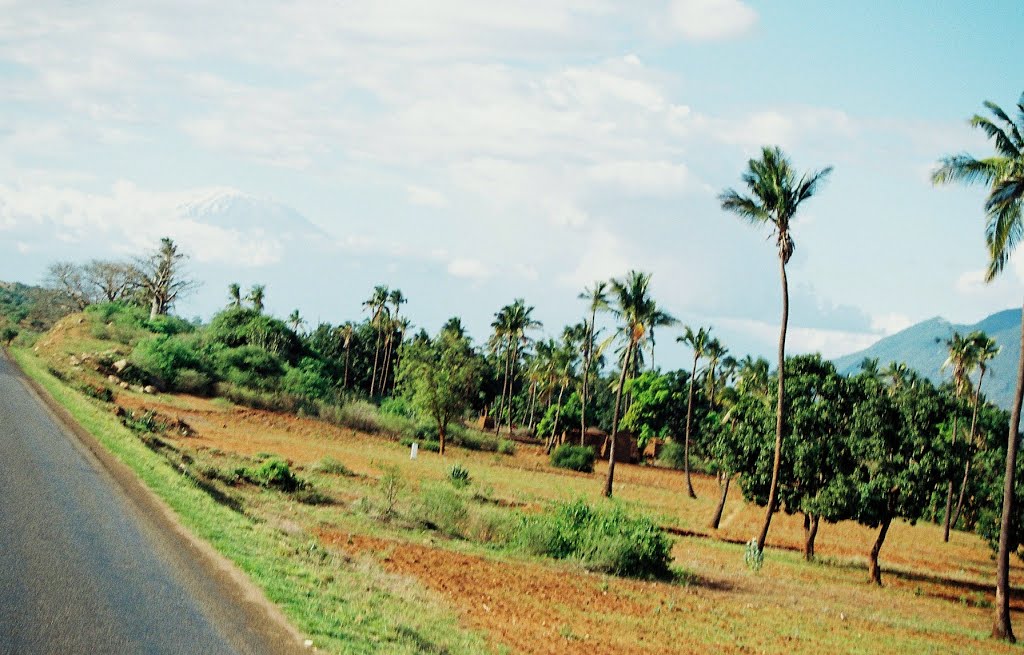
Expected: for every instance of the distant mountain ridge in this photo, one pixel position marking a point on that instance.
(922, 347)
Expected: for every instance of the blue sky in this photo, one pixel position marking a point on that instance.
(472, 152)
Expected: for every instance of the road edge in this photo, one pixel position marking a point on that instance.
(261, 615)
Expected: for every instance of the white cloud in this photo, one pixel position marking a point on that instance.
(890, 323)
(830, 343)
(424, 197)
(643, 177)
(707, 20)
(468, 268)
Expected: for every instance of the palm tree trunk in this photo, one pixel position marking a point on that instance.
(376, 356)
(533, 403)
(949, 485)
(971, 437)
(511, 383)
(395, 361)
(874, 570)
(386, 363)
(347, 352)
(504, 388)
(586, 378)
(717, 518)
(615, 423)
(558, 416)
(773, 490)
(686, 443)
(1001, 628)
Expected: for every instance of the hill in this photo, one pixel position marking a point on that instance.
(922, 348)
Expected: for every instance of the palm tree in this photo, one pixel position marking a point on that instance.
(396, 299)
(257, 294)
(565, 364)
(775, 195)
(697, 342)
(345, 333)
(511, 323)
(235, 294)
(1003, 174)
(637, 314)
(961, 361)
(984, 350)
(376, 304)
(597, 299)
(295, 321)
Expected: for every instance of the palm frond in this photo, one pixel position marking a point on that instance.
(1002, 234)
(1004, 144)
(968, 170)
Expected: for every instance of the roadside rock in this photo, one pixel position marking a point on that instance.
(123, 385)
(120, 365)
(149, 388)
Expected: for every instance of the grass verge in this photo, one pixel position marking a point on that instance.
(343, 605)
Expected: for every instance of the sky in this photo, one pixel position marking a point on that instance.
(473, 152)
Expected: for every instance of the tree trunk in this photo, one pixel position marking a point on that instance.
(810, 532)
(347, 352)
(615, 423)
(949, 485)
(385, 364)
(441, 434)
(773, 490)
(686, 442)
(586, 378)
(1001, 628)
(504, 388)
(376, 357)
(533, 403)
(971, 442)
(717, 518)
(511, 383)
(558, 416)
(873, 568)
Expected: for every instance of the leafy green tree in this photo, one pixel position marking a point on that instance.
(656, 410)
(440, 378)
(697, 342)
(377, 305)
(901, 456)
(961, 360)
(637, 313)
(775, 195)
(235, 295)
(1003, 174)
(8, 334)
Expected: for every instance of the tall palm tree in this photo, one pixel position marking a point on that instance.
(345, 333)
(697, 342)
(597, 300)
(295, 321)
(984, 350)
(235, 294)
(396, 299)
(775, 195)
(960, 361)
(637, 314)
(512, 322)
(257, 296)
(566, 357)
(1003, 174)
(376, 304)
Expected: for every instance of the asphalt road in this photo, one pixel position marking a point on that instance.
(88, 566)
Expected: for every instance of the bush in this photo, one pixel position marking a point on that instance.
(575, 458)
(602, 538)
(308, 379)
(333, 466)
(432, 446)
(507, 447)
(273, 401)
(191, 381)
(443, 510)
(273, 472)
(396, 406)
(162, 357)
(99, 392)
(459, 476)
(249, 366)
(753, 556)
(673, 455)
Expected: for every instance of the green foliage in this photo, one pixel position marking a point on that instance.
(191, 381)
(249, 366)
(308, 379)
(672, 455)
(333, 467)
(98, 391)
(243, 327)
(506, 447)
(145, 423)
(163, 357)
(658, 408)
(459, 476)
(127, 319)
(573, 457)
(8, 334)
(442, 509)
(397, 406)
(274, 473)
(602, 538)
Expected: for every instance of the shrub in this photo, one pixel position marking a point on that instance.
(396, 406)
(602, 538)
(163, 357)
(145, 423)
(575, 458)
(308, 379)
(507, 447)
(99, 392)
(273, 472)
(391, 484)
(444, 510)
(191, 381)
(333, 466)
(273, 401)
(244, 327)
(673, 455)
(459, 476)
(249, 366)
(432, 446)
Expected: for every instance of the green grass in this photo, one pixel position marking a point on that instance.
(343, 605)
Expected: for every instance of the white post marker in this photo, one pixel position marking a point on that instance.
(415, 449)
